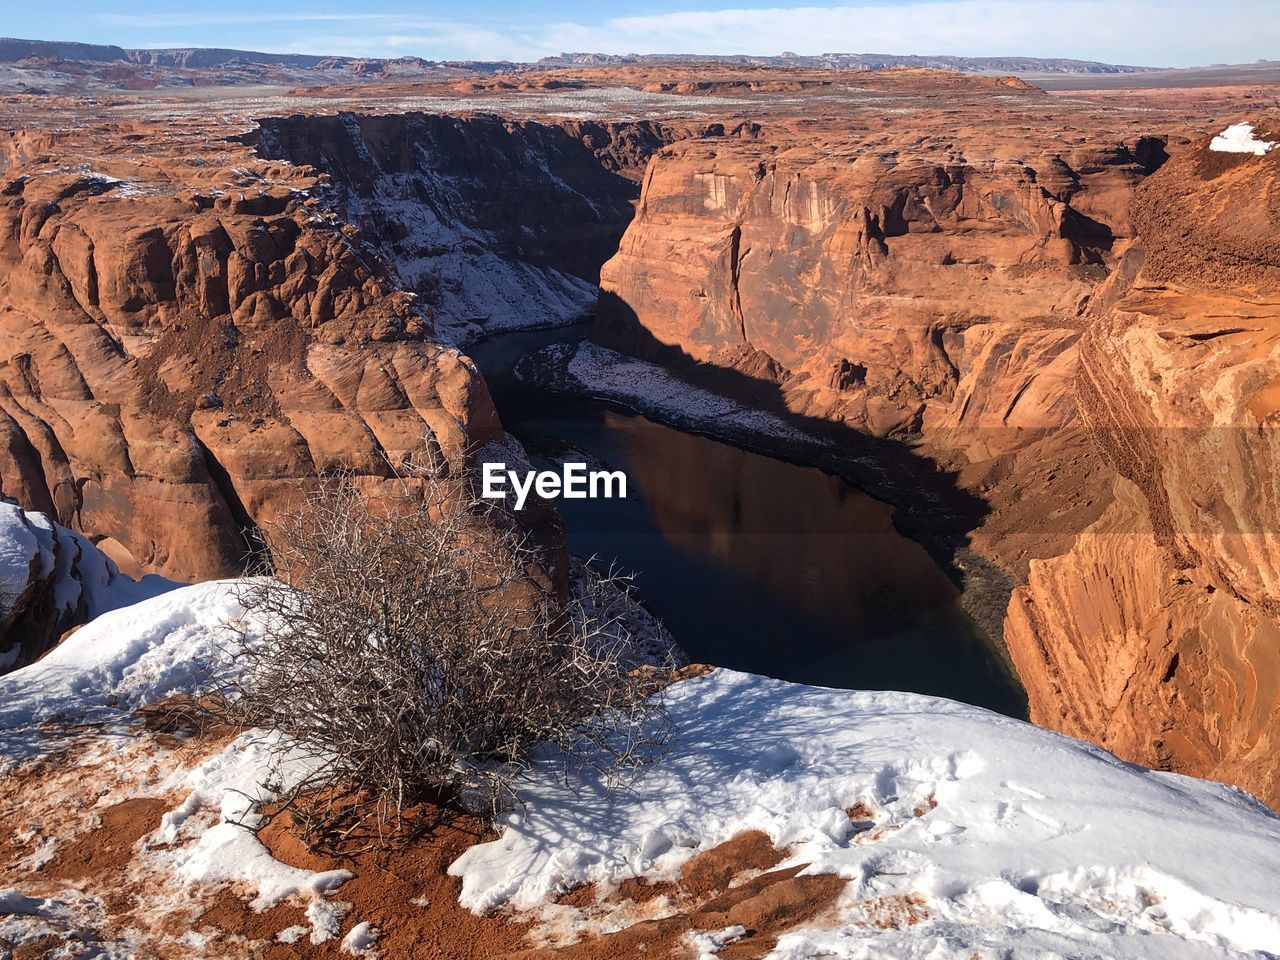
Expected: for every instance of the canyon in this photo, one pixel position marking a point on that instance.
(1062, 306)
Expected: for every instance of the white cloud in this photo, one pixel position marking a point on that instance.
(1153, 32)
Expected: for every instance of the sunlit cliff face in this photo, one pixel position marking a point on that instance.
(962, 264)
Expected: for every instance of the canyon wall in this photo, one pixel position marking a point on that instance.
(495, 224)
(878, 287)
(174, 356)
(1158, 633)
(1083, 331)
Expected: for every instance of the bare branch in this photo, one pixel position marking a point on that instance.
(406, 642)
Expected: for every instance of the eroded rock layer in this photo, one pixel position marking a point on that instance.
(51, 580)
(179, 345)
(1158, 633)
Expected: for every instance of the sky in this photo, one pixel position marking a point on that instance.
(1145, 32)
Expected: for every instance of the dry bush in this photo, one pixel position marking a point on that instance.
(409, 645)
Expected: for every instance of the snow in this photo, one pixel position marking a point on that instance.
(227, 852)
(325, 917)
(708, 944)
(124, 659)
(587, 367)
(292, 934)
(135, 656)
(81, 580)
(360, 940)
(1012, 835)
(1240, 138)
(67, 919)
(18, 549)
(229, 785)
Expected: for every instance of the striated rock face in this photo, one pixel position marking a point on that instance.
(1158, 633)
(494, 223)
(1085, 332)
(891, 282)
(174, 355)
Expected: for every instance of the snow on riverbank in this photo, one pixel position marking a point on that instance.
(589, 368)
(1014, 837)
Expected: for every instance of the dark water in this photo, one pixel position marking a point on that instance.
(754, 563)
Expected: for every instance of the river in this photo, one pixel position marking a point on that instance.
(751, 562)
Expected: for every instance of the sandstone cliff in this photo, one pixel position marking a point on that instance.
(1158, 634)
(495, 224)
(175, 353)
(885, 283)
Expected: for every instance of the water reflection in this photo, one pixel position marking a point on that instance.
(798, 533)
(755, 563)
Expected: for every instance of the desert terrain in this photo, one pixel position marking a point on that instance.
(1040, 325)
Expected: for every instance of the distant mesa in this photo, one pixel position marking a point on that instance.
(193, 58)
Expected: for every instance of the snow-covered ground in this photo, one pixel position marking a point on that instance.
(125, 659)
(95, 680)
(1011, 841)
(1015, 837)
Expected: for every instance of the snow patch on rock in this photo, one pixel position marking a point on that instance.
(53, 578)
(473, 291)
(1240, 138)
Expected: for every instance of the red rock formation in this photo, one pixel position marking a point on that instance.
(173, 358)
(879, 273)
(1158, 634)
